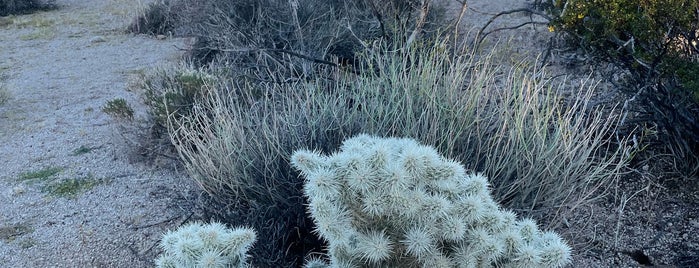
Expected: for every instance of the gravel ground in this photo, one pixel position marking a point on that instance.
(60, 68)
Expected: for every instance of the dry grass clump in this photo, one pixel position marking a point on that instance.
(18, 7)
(545, 156)
(4, 94)
(157, 18)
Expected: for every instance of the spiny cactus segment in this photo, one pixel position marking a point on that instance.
(206, 246)
(389, 202)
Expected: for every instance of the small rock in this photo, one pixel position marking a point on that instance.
(97, 39)
(160, 37)
(18, 190)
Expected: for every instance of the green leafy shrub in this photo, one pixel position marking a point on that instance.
(650, 38)
(387, 202)
(655, 43)
(18, 7)
(206, 246)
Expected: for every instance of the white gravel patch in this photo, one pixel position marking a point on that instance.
(60, 68)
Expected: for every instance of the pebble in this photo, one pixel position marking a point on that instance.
(97, 39)
(18, 190)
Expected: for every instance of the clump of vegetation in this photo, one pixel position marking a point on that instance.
(545, 157)
(654, 46)
(41, 174)
(4, 95)
(53, 185)
(72, 187)
(243, 43)
(83, 150)
(156, 19)
(388, 202)
(206, 245)
(9, 233)
(118, 108)
(285, 39)
(173, 93)
(17, 7)
(269, 77)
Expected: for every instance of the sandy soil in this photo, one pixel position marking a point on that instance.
(62, 66)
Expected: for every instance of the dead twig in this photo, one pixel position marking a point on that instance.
(482, 34)
(163, 221)
(422, 17)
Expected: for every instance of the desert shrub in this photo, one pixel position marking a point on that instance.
(18, 7)
(118, 108)
(172, 92)
(654, 44)
(274, 40)
(544, 156)
(283, 39)
(156, 19)
(387, 202)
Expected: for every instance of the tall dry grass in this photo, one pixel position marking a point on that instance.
(544, 155)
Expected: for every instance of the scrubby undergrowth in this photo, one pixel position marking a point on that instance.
(545, 155)
(263, 89)
(18, 7)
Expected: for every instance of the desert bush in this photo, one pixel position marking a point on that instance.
(654, 46)
(280, 39)
(544, 156)
(118, 108)
(387, 202)
(18, 7)
(172, 92)
(274, 40)
(155, 19)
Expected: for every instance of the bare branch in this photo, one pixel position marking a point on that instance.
(481, 36)
(422, 17)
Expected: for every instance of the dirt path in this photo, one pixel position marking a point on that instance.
(69, 196)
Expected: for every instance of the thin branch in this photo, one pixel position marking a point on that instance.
(285, 51)
(379, 17)
(480, 36)
(424, 9)
(464, 7)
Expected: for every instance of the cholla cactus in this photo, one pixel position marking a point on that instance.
(206, 246)
(395, 203)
